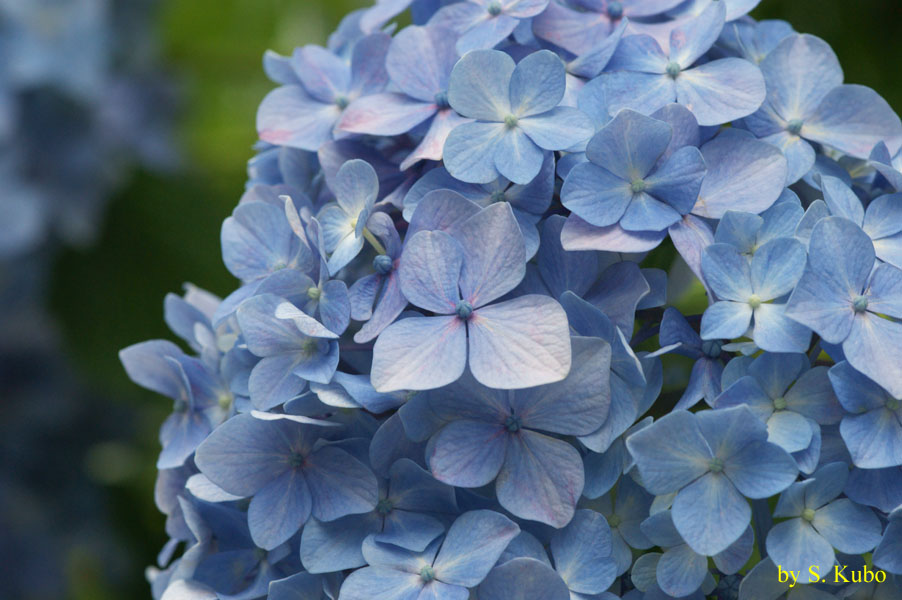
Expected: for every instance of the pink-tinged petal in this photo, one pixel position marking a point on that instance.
(385, 114)
(579, 235)
(288, 116)
(419, 353)
(520, 343)
(542, 478)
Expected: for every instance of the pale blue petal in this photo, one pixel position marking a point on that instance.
(744, 174)
(523, 579)
(517, 157)
(721, 91)
(671, 453)
(379, 583)
(494, 261)
(339, 484)
(679, 180)
(789, 430)
(479, 85)
(596, 194)
(681, 571)
(468, 453)
(853, 119)
(385, 114)
(725, 320)
(558, 129)
(642, 92)
(278, 510)
(537, 84)
(865, 349)
(776, 267)
(473, 544)
(470, 149)
(849, 527)
(630, 144)
(430, 269)
(710, 513)
(727, 273)
(541, 480)
(761, 469)
(577, 405)
(288, 116)
(582, 553)
(519, 343)
(796, 546)
(419, 353)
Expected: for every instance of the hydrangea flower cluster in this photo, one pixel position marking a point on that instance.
(441, 376)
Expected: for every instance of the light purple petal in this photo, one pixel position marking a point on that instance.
(721, 91)
(419, 353)
(541, 479)
(430, 269)
(520, 343)
(710, 514)
(278, 510)
(494, 263)
(385, 114)
(479, 85)
(473, 544)
(468, 453)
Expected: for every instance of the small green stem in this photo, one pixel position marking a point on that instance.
(380, 249)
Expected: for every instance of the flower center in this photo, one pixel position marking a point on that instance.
(494, 8)
(860, 304)
(384, 506)
(893, 404)
(383, 264)
(711, 348)
(510, 121)
(808, 514)
(673, 69)
(754, 301)
(512, 424)
(614, 521)
(342, 101)
(615, 10)
(427, 574)
(310, 346)
(464, 309)
(794, 126)
(180, 405)
(498, 196)
(638, 186)
(441, 100)
(716, 465)
(779, 403)
(314, 293)
(225, 400)
(296, 459)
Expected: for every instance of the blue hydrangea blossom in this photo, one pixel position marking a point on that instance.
(467, 350)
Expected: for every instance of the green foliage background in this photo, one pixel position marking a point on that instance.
(163, 231)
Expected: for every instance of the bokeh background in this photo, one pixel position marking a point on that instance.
(162, 231)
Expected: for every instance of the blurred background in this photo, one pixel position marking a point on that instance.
(160, 229)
